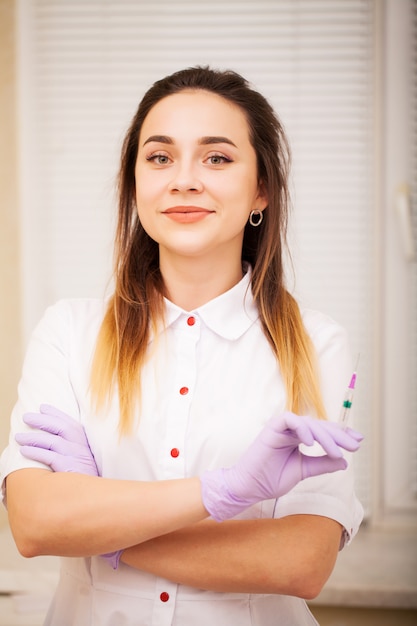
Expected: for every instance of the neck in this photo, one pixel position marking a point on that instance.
(191, 282)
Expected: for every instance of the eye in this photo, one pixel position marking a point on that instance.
(158, 158)
(218, 159)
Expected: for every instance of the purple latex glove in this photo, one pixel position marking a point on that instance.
(273, 464)
(59, 441)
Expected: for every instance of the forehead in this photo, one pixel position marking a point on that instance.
(196, 112)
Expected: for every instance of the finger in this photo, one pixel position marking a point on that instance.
(46, 441)
(354, 433)
(67, 425)
(290, 426)
(56, 423)
(348, 438)
(53, 411)
(317, 465)
(36, 439)
(46, 423)
(353, 437)
(113, 558)
(47, 457)
(324, 435)
(301, 426)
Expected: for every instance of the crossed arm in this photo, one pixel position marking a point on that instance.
(294, 555)
(164, 531)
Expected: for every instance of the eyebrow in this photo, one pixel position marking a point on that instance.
(158, 139)
(203, 141)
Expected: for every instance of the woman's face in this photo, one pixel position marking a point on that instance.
(196, 176)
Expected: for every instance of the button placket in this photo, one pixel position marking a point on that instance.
(164, 604)
(187, 333)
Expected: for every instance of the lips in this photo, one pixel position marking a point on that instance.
(187, 214)
(186, 209)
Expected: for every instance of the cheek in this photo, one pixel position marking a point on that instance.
(243, 187)
(144, 215)
(151, 191)
(243, 196)
(146, 199)
(148, 224)
(144, 204)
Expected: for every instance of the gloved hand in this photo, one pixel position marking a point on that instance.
(60, 442)
(273, 464)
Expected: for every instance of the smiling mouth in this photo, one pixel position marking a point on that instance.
(187, 214)
(186, 209)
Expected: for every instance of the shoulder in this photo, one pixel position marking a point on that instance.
(77, 309)
(72, 315)
(322, 328)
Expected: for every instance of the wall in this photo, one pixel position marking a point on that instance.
(10, 347)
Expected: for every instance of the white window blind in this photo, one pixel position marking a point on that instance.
(84, 65)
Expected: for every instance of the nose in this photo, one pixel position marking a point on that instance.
(185, 179)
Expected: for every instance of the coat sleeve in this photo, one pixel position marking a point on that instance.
(329, 495)
(45, 379)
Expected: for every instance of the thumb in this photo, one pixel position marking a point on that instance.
(317, 465)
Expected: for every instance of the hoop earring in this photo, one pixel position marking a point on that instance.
(259, 217)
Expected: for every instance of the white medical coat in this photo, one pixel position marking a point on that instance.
(209, 386)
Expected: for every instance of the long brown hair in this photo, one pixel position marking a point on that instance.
(137, 303)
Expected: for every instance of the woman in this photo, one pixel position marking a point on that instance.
(190, 384)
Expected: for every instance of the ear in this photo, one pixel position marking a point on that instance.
(262, 199)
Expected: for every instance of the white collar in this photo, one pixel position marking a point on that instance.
(229, 315)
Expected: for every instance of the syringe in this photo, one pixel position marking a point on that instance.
(347, 402)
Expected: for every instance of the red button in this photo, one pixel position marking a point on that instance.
(164, 596)
(191, 321)
(175, 452)
(184, 391)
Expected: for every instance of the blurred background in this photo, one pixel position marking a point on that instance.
(341, 75)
